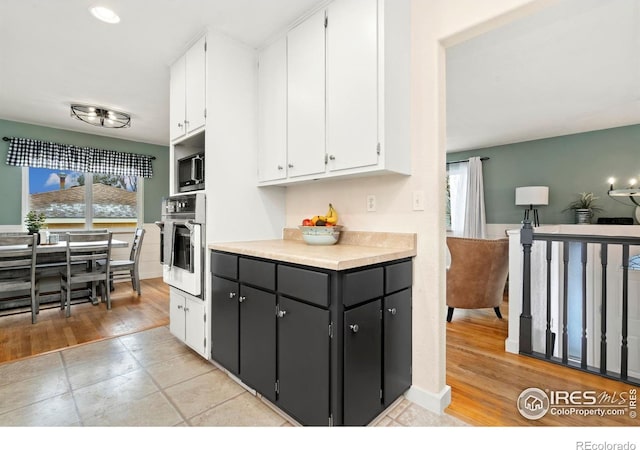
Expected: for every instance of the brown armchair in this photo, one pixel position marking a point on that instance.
(478, 273)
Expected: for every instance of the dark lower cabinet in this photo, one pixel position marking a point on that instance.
(303, 355)
(327, 347)
(396, 319)
(258, 340)
(362, 363)
(225, 323)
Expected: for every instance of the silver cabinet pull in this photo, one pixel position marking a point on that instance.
(281, 313)
(290, 166)
(179, 306)
(232, 294)
(393, 311)
(280, 167)
(332, 157)
(241, 299)
(179, 124)
(354, 328)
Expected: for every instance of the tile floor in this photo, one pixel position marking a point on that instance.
(145, 379)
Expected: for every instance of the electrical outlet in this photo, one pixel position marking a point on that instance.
(418, 200)
(371, 203)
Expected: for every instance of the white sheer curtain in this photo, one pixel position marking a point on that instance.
(475, 222)
(458, 195)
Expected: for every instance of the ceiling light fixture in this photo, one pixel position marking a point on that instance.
(101, 117)
(104, 14)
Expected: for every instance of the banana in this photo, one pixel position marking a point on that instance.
(332, 215)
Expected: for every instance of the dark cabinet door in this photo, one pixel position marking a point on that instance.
(303, 361)
(258, 340)
(362, 363)
(397, 345)
(225, 323)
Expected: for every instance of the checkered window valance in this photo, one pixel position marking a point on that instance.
(32, 153)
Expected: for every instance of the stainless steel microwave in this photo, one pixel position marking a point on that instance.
(191, 173)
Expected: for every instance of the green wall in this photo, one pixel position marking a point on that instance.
(11, 176)
(567, 164)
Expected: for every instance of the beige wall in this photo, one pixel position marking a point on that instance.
(435, 23)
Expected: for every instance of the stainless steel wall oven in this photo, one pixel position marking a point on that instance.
(183, 241)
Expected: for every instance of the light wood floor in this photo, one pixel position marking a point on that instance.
(485, 380)
(129, 313)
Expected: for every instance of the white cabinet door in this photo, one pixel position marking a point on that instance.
(177, 92)
(352, 84)
(176, 314)
(187, 320)
(187, 96)
(195, 324)
(195, 96)
(272, 111)
(306, 97)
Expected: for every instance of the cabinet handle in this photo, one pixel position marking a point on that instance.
(392, 311)
(281, 313)
(179, 306)
(354, 328)
(241, 299)
(280, 167)
(290, 166)
(179, 124)
(186, 309)
(232, 294)
(332, 158)
(186, 123)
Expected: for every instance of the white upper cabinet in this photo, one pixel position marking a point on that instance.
(187, 92)
(306, 97)
(352, 84)
(348, 89)
(272, 111)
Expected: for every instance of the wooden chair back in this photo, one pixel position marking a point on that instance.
(18, 251)
(89, 247)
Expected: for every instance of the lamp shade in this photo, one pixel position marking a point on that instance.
(532, 195)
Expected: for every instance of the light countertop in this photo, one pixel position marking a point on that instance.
(354, 249)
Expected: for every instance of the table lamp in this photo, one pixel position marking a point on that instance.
(531, 196)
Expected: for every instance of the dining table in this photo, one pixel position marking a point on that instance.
(49, 261)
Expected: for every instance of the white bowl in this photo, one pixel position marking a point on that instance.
(320, 235)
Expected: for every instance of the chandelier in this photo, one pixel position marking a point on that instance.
(101, 117)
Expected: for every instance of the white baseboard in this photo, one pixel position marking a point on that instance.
(434, 402)
(512, 345)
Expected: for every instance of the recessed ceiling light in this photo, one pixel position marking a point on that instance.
(104, 14)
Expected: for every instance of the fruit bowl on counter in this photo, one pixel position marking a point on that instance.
(322, 235)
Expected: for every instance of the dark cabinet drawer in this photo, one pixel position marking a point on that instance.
(363, 285)
(224, 265)
(302, 284)
(257, 273)
(398, 276)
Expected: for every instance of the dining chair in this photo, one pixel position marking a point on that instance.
(18, 264)
(84, 250)
(128, 269)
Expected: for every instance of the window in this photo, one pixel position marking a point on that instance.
(456, 196)
(84, 200)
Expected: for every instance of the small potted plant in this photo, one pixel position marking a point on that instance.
(34, 221)
(584, 207)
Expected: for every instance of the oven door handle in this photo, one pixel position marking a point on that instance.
(170, 242)
(191, 225)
